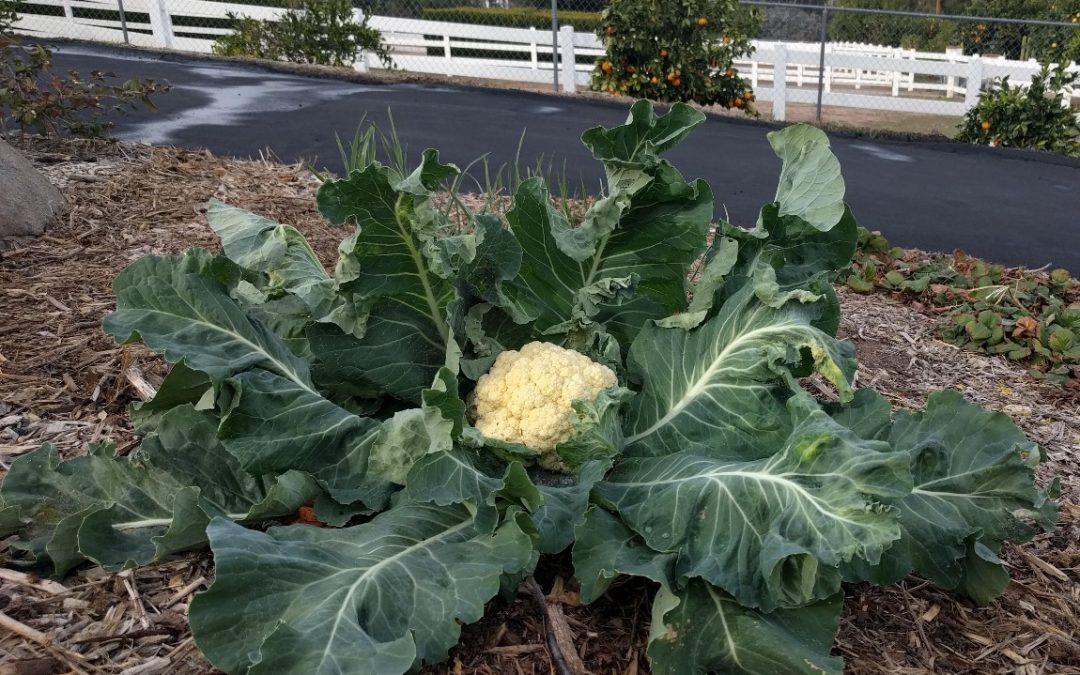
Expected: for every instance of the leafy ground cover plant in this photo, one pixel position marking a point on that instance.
(705, 467)
(322, 32)
(681, 51)
(1031, 117)
(1028, 316)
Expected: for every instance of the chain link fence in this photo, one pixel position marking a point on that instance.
(834, 61)
(892, 69)
(539, 43)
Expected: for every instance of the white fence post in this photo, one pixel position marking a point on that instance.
(534, 57)
(161, 23)
(974, 82)
(569, 61)
(779, 85)
(950, 83)
(828, 69)
(68, 13)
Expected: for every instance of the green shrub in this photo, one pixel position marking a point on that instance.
(8, 15)
(676, 51)
(1072, 46)
(1032, 117)
(518, 17)
(931, 35)
(40, 101)
(1016, 41)
(323, 32)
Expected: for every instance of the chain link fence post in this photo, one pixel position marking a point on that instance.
(555, 44)
(123, 21)
(821, 60)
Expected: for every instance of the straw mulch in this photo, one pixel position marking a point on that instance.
(62, 380)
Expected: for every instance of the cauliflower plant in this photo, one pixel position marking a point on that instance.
(526, 396)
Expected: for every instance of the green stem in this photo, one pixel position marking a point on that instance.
(421, 270)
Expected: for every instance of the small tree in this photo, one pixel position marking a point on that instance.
(1016, 40)
(37, 99)
(1032, 117)
(323, 32)
(676, 50)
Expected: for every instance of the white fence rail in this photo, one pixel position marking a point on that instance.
(856, 75)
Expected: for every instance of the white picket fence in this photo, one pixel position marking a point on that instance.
(856, 75)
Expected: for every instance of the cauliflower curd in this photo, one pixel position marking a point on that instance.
(526, 396)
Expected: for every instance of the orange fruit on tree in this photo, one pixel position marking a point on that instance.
(663, 53)
(702, 21)
(738, 102)
(985, 125)
(606, 67)
(676, 82)
(729, 73)
(727, 39)
(654, 79)
(611, 30)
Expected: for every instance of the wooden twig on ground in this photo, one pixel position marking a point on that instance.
(560, 640)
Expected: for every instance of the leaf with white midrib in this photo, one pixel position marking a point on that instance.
(119, 511)
(701, 629)
(391, 267)
(376, 598)
(719, 390)
(180, 310)
(974, 488)
(769, 531)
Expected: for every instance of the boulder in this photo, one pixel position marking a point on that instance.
(28, 201)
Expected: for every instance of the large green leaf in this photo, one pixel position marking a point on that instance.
(284, 263)
(719, 390)
(565, 501)
(698, 628)
(769, 531)
(811, 187)
(124, 511)
(272, 425)
(377, 598)
(396, 266)
(644, 136)
(463, 475)
(181, 385)
(973, 489)
(644, 233)
(605, 548)
(701, 629)
(178, 306)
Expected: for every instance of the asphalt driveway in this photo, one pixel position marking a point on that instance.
(1009, 207)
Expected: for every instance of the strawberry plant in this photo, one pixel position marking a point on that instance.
(676, 51)
(674, 439)
(1029, 317)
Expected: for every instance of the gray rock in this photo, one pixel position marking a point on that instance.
(28, 201)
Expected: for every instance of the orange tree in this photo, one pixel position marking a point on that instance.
(676, 50)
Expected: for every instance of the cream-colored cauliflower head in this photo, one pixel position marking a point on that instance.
(526, 396)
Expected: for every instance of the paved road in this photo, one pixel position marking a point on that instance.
(1014, 208)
